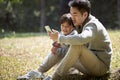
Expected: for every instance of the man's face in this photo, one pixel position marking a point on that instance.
(66, 28)
(77, 17)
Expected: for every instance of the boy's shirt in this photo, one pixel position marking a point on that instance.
(64, 47)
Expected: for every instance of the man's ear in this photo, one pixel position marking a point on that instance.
(85, 14)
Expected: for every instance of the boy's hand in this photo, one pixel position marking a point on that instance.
(56, 44)
(54, 50)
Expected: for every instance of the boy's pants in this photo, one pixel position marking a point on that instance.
(77, 56)
(49, 62)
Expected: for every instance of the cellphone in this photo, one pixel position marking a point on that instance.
(48, 29)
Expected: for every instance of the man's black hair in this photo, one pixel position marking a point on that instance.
(81, 5)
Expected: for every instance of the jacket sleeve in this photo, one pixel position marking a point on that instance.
(84, 37)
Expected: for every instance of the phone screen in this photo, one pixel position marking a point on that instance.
(48, 29)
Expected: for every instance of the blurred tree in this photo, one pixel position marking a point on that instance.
(42, 16)
(105, 11)
(33, 15)
(118, 10)
(9, 17)
(64, 8)
(52, 13)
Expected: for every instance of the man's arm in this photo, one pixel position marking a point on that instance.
(86, 36)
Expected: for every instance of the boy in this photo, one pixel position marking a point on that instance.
(58, 51)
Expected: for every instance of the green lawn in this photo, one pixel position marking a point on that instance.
(20, 53)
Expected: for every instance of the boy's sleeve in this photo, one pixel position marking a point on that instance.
(62, 51)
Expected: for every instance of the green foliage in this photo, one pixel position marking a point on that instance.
(24, 15)
(1, 1)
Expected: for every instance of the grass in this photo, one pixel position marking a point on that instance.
(20, 53)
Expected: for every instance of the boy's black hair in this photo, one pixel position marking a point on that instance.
(81, 5)
(66, 18)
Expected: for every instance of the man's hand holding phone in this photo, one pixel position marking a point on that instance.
(54, 36)
(52, 33)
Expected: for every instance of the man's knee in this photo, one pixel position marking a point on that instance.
(76, 48)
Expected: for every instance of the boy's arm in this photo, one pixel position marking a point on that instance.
(62, 51)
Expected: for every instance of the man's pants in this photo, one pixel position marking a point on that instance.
(87, 62)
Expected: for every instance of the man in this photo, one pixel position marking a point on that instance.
(90, 51)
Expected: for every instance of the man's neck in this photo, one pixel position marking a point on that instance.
(86, 20)
(79, 28)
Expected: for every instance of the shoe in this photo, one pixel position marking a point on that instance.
(48, 78)
(24, 77)
(53, 77)
(31, 75)
(73, 71)
(36, 74)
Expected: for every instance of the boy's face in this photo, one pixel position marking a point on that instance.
(77, 17)
(66, 28)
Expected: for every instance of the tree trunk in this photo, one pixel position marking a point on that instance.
(118, 10)
(64, 8)
(42, 16)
